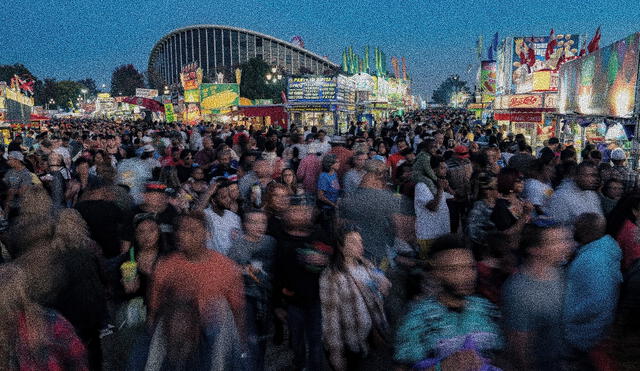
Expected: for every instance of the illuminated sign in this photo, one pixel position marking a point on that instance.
(146, 93)
(314, 88)
(525, 101)
(312, 108)
(602, 83)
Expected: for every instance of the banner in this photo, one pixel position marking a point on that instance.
(150, 104)
(524, 101)
(311, 89)
(146, 93)
(191, 76)
(192, 96)
(217, 96)
(192, 114)
(602, 83)
(168, 113)
(488, 80)
(529, 55)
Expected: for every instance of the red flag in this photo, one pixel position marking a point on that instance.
(582, 52)
(594, 43)
(523, 58)
(531, 57)
(551, 45)
(561, 61)
(283, 96)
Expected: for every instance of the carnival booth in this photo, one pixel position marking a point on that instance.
(527, 83)
(262, 115)
(327, 102)
(527, 114)
(597, 98)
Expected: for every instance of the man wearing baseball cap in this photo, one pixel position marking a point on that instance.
(459, 177)
(619, 171)
(18, 179)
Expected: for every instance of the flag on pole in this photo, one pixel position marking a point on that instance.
(479, 47)
(531, 56)
(594, 44)
(551, 45)
(494, 43)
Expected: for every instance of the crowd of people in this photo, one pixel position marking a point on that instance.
(429, 241)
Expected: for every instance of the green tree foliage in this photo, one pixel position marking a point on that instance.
(7, 71)
(449, 87)
(68, 92)
(125, 79)
(254, 85)
(90, 85)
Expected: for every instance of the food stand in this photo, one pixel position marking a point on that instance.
(327, 102)
(527, 114)
(597, 98)
(262, 115)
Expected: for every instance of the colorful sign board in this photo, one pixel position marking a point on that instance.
(169, 114)
(218, 96)
(525, 101)
(311, 88)
(545, 80)
(312, 108)
(523, 66)
(192, 114)
(602, 83)
(191, 76)
(192, 96)
(146, 93)
(488, 80)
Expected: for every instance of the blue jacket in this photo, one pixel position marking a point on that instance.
(591, 296)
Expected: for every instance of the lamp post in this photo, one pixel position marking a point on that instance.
(84, 94)
(273, 76)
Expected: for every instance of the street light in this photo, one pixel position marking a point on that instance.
(274, 69)
(84, 93)
(268, 76)
(166, 90)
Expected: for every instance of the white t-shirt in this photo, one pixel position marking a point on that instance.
(569, 202)
(536, 192)
(430, 224)
(224, 230)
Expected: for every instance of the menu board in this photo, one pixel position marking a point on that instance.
(311, 89)
(346, 90)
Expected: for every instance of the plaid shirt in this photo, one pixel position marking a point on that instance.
(630, 178)
(346, 317)
(65, 351)
(459, 177)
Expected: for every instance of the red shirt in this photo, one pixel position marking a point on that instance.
(210, 278)
(628, 240)
(392, 162)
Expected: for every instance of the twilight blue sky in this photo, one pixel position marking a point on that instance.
(77, 39)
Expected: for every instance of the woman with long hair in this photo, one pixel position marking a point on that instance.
(31, 337)
(288, 178)
(82, 181)
(352, 292)
(34, 225)
(78, 292)
(149, 243)
(511, 213)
